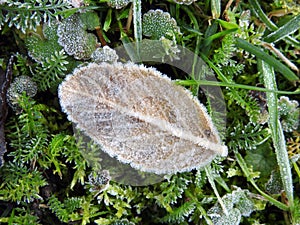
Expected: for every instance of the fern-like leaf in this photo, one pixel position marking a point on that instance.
(21, 184)
(180, 214)
(52, 71)
(247, 137)
(28, 14)
(27, 133)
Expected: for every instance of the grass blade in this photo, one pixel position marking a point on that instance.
(270, 25)
(280, 67)
(283, 31)
(276, 131)
(215, 8)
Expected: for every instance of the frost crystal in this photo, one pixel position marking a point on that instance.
(74, 37)
(289, 113)
(157, 24)
(105, 54)
(185, 2)
(274, 184)
(20, 85)
(140, 117)
(118, 4)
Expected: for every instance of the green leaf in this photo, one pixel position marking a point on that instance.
(270, 25)
(283, 31)
(284, 70)
(218, 35)
(90, 20)
(107, 22)
(262, 159)
(227, 25)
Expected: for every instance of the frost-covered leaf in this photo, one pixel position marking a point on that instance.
(123, 106)
(185, 2)
(238, 204)
(98, 181)
(75, 39)
(232, 218)
(274, 184)
(157, 24)
(105, 54)
(289, 113)
(76, 3)
(122, 222)
(20, 85)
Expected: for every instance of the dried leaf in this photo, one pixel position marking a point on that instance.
(140, 117)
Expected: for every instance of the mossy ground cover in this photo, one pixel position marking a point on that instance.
(252, 47)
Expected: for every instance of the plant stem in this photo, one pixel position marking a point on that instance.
(212, 183)
(245, 170)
